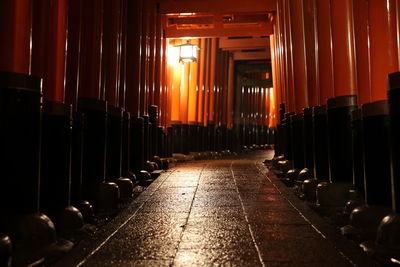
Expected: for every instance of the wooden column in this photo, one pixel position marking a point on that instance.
(73, 52)
(15, 37)
(133, 56)
(90, 49)
(152, 20)
(207, 83)
(49, 36)
(343, 47)
(383, 45)
(213, 62)
(111, 51)
(299, 55)
(193, 88)
(311, 45)
(325, 57)
(122, 63)
(201, 83)
(361, 30)
(144, 60)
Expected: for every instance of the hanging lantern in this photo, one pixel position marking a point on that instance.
(187, 52)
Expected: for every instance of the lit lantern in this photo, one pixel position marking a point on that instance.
(187, 52)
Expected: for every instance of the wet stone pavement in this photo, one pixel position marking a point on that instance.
(227, 212)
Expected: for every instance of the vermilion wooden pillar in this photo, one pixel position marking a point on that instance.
(164, 110)
(73, 52)
(343, 47)
(299, 55)
(207, 82)
(310, 36)
(15, 37)
(193, 88)
(49, 46)
(184, 93)
(111, 49)
(325, 60)
(158, 63)
(230, 91)
(144, 60)
(278, 47)
(152, 20)
(288, 45)
(213, 62)
(361, 32)
(122, 68)
(201, 78)
(133, 56)
(90, 49)
(383, 45)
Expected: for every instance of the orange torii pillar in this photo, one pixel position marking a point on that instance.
(145, 79)
(230, 94)
(207, 94)
(93, 107)
(300, 81)
(122, 92)
(155, 110)
(110, 83)
(184, 107)
(49, 36)
(133, 83)
(20, 106)
(71, 95)
(342, 105)
(212, 88)
(362, 42)
(192, 104)
(288, 46)
(383, 45)
(299, 55)
(325, 57)
(311, 44)
(201, 93)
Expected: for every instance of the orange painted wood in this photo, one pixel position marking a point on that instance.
(144, 60)
(192, 90)
(111, 51)
(15, 37)
(343, 47)
(122, 47)
(299, 55)
(215, 6)
(383, 45)
(213, 61)
(310, 36)
(231, 71)
(133, 56)
(152, 51)
(90, 49)
(201, 83)
(207, 83)
(158, 62)
(184, 93)
(361, 30)
(164, 109)
(73, 52)
(290, 96)
(325, 57)
(49, 33)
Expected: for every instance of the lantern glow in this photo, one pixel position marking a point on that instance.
(187, 53)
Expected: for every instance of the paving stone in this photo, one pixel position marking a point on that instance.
(225, 212)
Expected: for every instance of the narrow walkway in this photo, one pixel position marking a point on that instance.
(219, 212)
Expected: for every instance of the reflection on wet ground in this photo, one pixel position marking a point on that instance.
(219, 212)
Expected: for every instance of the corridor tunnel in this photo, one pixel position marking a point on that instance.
(203, 132)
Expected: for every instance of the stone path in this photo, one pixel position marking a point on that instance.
(220, 212)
